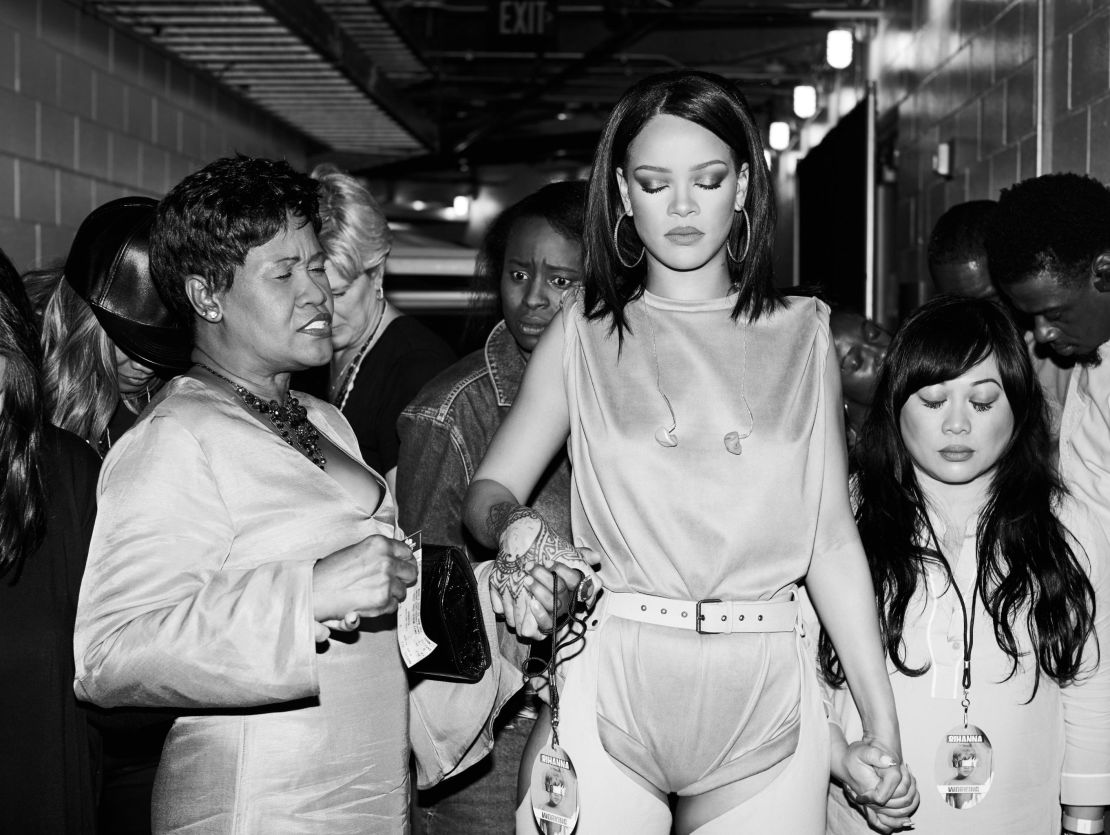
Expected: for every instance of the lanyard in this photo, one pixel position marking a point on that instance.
(968, 620)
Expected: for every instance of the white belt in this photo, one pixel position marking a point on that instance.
(711, 617)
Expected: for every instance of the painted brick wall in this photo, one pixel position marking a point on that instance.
(89, 113)
(963, 71)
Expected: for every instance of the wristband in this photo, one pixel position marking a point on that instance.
(1083, 826)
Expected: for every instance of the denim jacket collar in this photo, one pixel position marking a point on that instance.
(505, 363)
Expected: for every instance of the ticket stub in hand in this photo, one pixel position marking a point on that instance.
(415, 644)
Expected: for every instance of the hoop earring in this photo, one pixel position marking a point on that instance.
(617, 246)
(747, 238)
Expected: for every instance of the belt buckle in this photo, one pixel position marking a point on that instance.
(700, 617)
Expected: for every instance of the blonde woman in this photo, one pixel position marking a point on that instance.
(382, 357)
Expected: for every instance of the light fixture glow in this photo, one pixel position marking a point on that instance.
(838, 48)
(778, 137)
(805, 101)
(461, 205)
(419, 205)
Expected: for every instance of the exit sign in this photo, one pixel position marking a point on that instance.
(525, 24)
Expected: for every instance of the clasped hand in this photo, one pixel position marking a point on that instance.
(879, 785)
(367, 579)
(522, 586)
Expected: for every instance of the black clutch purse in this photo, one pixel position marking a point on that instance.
(452, 617)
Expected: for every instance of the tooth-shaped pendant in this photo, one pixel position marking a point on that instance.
(732, 443)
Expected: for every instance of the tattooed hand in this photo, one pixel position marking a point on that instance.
(526, 542)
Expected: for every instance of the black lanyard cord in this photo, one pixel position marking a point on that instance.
(968, 620)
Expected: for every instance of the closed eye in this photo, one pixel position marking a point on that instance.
(982, 407)
(931, 404)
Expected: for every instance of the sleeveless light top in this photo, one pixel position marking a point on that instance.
(696, 521)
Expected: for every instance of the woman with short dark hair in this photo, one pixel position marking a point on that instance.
(530, 258)
(237, 521)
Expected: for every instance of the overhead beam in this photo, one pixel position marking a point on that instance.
(308, 20)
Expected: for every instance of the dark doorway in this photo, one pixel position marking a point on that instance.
(832, 212)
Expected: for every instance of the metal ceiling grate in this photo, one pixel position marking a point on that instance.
(274, 60)
(378, 38)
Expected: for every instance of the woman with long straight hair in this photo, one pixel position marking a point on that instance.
(991, 582)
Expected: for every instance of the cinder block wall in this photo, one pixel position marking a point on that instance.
(89, 113)
(967, 71)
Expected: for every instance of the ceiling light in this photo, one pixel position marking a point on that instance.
(805, 101)
(838, 48)
(461, 205)
(562, 116)
(419, 205)
(778, 137)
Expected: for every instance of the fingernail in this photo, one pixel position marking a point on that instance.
(886, 759)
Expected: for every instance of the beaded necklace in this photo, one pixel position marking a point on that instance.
(289, 420)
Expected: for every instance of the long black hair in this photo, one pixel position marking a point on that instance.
(1029, 578)
(713, 103)
(22, 493)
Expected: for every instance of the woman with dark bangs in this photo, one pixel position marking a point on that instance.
(47, 507)
(992, 586)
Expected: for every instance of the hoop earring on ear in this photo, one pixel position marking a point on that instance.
(747, 238)
(379, 292)
(617, 245)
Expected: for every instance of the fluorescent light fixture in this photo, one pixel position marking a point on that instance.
(805, 101)
(838, 48)
(778, 137)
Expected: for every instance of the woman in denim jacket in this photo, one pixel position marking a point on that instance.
(531, 255)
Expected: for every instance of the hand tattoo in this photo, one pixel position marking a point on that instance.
(498, 517)
(526, 540)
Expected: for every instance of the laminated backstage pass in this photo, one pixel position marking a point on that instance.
(964, 766)
(415, 644)
(554, 791)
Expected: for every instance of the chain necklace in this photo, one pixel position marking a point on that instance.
(289, 420)
(346, 380)
(132, 401)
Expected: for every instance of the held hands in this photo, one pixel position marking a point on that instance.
(521, 584)
(881, 787)
(366, 579)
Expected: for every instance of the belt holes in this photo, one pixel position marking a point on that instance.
(760, 617)
(683, 614)
(725, 617)
(741, 617)
(643, 608)
(662, 611)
